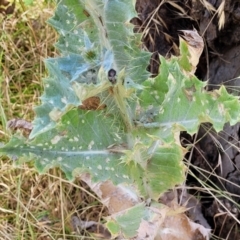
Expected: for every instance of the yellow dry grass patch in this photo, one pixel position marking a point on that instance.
(37, 206)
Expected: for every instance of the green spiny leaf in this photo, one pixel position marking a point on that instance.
(186, 103)
(127, 223)
(79, 143)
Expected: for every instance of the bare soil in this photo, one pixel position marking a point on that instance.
(216, 155)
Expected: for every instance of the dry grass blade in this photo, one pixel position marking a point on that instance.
(221, 15)
(208, 6)
(175, 5)
(147, 23)
(211, 183)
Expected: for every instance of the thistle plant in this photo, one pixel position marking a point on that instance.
(105, 119)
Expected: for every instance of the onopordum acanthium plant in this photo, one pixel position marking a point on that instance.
(121, 128)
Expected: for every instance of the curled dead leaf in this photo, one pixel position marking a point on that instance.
(115, 198)
(95, 228)
(92, 103)
(21, 124)
(179, 226)
(194, 209)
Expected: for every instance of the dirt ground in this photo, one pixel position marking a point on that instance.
(216, 155)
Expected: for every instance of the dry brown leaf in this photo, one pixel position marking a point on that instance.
(95, 228)
(115, 198)
(179, 227)
(21, 124)
(166, 223)
(194, 209)
(92, 103)
(169, 198)
(148, 230)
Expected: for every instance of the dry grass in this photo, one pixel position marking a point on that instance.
(25, 41)
(210, 189)
(33, 206)
(37, 206)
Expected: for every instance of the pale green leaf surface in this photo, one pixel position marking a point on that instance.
(83, 53)
(56, 100)
(183, 60)
(79, 143)
(59, 96)
(112, 19)
(186, 103)
(164, 170)
(162, 164)
(155, 89)
(76, 8)
(124, 43)
(72, 30)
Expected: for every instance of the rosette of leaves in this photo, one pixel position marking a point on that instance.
(124, 131)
